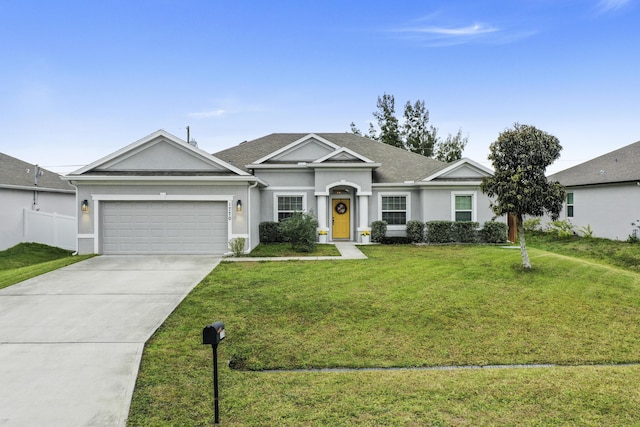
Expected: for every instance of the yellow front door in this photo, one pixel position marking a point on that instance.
(341, 211)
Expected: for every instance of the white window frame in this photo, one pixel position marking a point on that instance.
(407, 196)
(572, 204)
(474, 204)
(287, 194)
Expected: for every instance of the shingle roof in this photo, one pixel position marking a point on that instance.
(621, 165)
(397, 164)
(17, 173)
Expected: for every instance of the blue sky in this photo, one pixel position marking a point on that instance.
(81, 79)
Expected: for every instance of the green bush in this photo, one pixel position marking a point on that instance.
(415, 231)
(378, 231)
(396, 240)
(440, 231)
(586, 231)
(494, 232)
(236, 246)
(270, 232)
(532, 224)
(561, 228)
(300, 230)
(465, 231)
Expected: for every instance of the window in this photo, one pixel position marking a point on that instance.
(287, 205)
(394, 210)
(569, 205)
(463, 206)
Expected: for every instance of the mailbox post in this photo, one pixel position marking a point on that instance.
(213, 334)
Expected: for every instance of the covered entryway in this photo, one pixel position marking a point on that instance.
(164, 227)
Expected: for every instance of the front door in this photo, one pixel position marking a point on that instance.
(341, 212)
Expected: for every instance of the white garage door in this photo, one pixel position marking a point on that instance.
(164, 227)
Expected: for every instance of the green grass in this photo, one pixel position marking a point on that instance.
(285, 250)
(405, 306)
(27, 260)
(620, 254)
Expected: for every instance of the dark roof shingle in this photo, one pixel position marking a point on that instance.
(17, 173)
(621, 165)
(397, 164)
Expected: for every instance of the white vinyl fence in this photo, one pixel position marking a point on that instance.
(50, 229)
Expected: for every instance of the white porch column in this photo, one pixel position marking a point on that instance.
(323, 230)
(363, 223)
(322, 212)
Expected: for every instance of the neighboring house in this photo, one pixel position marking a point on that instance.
(162, 195)
(604, 193)
(26, 189)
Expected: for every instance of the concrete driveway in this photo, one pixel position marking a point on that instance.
(71, 340)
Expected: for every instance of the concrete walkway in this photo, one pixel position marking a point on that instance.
(71, 340)
(348, 250)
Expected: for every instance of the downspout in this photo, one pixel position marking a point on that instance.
(255, 184)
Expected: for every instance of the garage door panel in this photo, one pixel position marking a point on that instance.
(164, 227)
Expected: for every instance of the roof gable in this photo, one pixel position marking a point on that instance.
(306, 149)
(342, 155)
(463, 169)
(159, 152)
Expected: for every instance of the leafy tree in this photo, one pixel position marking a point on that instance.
(451, 148)
(520, 157)
(418, 138)
(387, 121)
(415, 134)
(372, 133)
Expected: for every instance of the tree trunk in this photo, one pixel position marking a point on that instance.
(523, 246)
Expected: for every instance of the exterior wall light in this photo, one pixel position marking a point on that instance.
(85, 206)
(239, 206)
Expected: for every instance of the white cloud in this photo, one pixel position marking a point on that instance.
(208, 114)
(438, 36)
(609, 5)
(472, 30)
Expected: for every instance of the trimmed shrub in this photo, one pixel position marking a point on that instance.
(396, 240)
(440, 231)
(270, 232)
(378, 231)
(415, 231)
(494, 232)
(300, 230)
(465, 231)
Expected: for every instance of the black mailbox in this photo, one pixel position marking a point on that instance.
(213, 333)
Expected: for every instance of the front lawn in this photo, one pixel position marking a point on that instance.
(27, 260)
(405, 306)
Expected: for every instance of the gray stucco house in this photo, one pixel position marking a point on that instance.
(27, 188)
(163, 195)
(604, 193)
